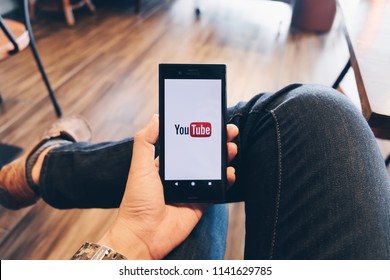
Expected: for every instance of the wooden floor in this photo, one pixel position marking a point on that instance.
(105, 68)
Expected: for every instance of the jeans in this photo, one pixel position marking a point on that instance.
(308, 168)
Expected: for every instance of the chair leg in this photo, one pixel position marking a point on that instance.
(39, 62)
(31, 4)
(90, 6)
(68, 12)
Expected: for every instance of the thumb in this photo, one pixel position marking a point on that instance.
(143, 151)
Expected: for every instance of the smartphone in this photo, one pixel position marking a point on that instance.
(192, 105)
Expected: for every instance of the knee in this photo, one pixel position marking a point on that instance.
(317, 119)
(317, 99)
(321, 107)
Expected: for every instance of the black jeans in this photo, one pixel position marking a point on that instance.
(308, 168)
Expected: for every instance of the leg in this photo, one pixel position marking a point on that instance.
(312, 177)
(82, 175)
(17, 183)
(31, 4)
(68, 12)
(90, 5)
(207, 241)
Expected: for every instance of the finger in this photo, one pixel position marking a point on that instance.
(231, 175)
(150, 132)
(231, 151)
(232, 132)
(143, 151)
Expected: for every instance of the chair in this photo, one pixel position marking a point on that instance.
(14, 37)
(67, 6)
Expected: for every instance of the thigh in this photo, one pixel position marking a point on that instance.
(313, 180)
(207, 241)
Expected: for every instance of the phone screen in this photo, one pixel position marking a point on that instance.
(192, 114)
(193, 155)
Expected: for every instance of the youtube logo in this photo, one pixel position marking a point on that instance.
(196, 129)
(200, 129)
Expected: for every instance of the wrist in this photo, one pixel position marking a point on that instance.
(93, 251)
(121, 239)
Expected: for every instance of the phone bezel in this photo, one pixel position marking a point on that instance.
(216, 193)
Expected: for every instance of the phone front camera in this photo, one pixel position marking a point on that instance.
(180, 72)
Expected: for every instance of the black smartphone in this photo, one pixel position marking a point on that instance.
(192, 105)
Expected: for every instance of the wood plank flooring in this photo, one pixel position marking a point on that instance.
(105, 68)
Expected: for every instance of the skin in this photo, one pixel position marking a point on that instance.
(147, 228)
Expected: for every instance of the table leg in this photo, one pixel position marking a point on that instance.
(342, 74)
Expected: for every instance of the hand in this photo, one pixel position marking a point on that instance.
(147, 228)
